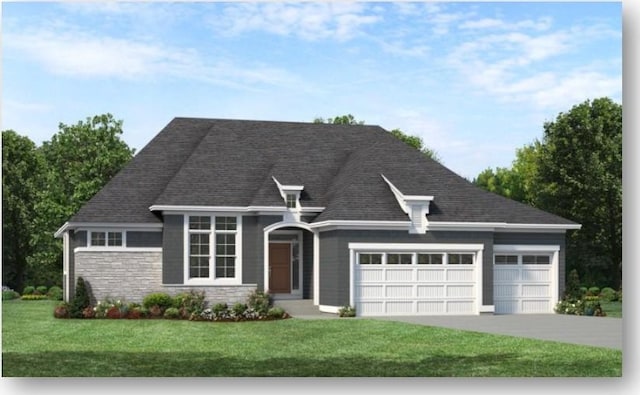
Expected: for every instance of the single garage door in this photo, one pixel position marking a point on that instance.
(524, 283)
(414, 282)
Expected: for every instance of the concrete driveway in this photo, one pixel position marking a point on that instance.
(590, 331)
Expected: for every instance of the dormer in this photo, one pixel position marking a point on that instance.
(415, 206)
(291, 196)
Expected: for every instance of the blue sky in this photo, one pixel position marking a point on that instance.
(474, 80)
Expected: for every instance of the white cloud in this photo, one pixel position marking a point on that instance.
(540, 24)
(309, 21)
(80, 54)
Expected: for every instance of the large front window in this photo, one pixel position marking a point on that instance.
(213, 248)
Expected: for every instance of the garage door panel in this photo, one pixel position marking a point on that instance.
(460, 291)
(399, 291)
(460, 274)
(460, 307)
(508, 274)
(433, 275)
(399, 307)
(427, 307)
(370, 275)
(505, 290)
(506, 306)
(399, 275)
(535, 274)
(540, 290)
(371, 291)
(430, 291)
(370, 308)
(535, 306)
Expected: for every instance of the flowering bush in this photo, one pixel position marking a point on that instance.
(588, 305)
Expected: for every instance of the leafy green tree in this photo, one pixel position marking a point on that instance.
(580, 177)
(414, 141)
(22, 166)
(517, 182)
(80, 159)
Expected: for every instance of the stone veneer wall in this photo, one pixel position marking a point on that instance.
(130, 276)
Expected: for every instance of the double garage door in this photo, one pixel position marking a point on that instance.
(446, 280)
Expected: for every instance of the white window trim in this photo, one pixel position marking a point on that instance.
(237, 280)
(106, 247)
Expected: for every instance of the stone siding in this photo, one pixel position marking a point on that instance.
(130, 276)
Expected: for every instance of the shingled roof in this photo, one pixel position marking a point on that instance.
(218, 162)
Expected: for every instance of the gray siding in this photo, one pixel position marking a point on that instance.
(334, 257)
(307, 265)
(173, 250)
(253, 248)
(144, 239)
(542, 239)
(76, 239)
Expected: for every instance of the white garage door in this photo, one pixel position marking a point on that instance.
(524, 282)
(415, 282)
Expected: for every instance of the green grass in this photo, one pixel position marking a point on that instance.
(36, 344)
(613, 309)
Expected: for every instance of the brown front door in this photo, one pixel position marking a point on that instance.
(279, 267)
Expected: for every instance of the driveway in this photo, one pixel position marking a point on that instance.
(590, 331)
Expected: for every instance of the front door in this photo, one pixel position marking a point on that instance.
(280, 267)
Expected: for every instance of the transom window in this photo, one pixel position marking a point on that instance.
(528, 259)
(408, 258)
(212, 247)
(430, 259)
(106, 239)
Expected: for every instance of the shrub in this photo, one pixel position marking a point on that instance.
(608, 294)
(55, 293)
(190, 303)
(276, 312)
(171, 313)
(89, 312)
(113, 312)
(160, 299)
(592, 306)
(220, 310)
(42, 289)
(80, 300)
(583, 291)
(61, 310)
(239, 309)
(33, 297)
(593, 291)
(573, 285)
(28, 290)
(9, 294)
(154, 311)
(135, 313)
(347, 311)
(259, 301)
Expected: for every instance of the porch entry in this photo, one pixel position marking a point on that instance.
(285, 262)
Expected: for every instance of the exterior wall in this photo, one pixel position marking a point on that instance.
(76, 239)
(334, 257)
(139, 239)
(120, 274)
(173, 250)
(539, 239)
(253, 247)
(216, 293)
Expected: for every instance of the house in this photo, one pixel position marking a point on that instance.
(340, 214)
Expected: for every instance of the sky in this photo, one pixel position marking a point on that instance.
(475, 80)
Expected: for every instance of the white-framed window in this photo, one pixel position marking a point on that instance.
(292, 200)
(212, 249)
(98, 238)
(430, 259)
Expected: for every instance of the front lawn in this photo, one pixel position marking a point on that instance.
(613, 309)
(36, 344)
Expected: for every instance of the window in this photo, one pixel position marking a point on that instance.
(429, 259)
(107, 239)
(536, 260)
(399, 259)
(292, 200)
(370, 259)
(506, 259)
(461, 259)
(212, 249)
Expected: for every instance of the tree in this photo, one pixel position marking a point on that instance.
(22, 166)
(80, 159)
(414, 141)
(518, 181)
(580, 178)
